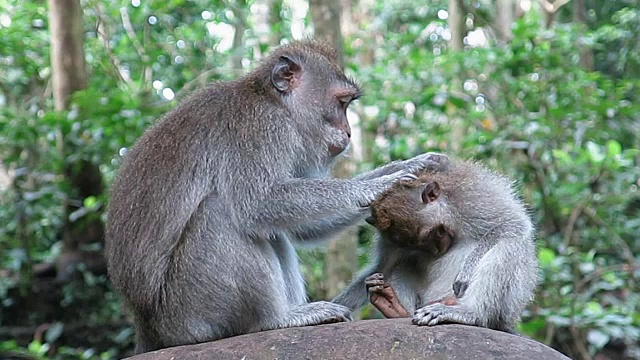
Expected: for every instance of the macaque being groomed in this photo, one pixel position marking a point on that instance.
(454, 246)
(208, 203)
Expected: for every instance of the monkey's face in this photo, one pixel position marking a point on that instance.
(319, 93)
(336, 119)
(408, 215)
(341, 93)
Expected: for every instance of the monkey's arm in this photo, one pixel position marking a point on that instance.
(355, 295)
(471, 262)
(321, 207)
(312, 201)
(327, 228)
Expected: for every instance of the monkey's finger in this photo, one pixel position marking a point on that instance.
(374, 282)
(374, 276)
(409, 177)
(459, 288)
(403, 175)
(331, 320)
(375, 289)
(424, 320)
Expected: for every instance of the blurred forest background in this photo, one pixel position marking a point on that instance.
(546, 91)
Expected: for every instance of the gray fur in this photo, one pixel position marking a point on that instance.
(492, 261)
(207, 204)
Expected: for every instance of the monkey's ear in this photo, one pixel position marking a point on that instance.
(431, 192)
(285, 75)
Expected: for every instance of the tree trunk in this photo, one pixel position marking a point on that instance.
(67, 55)
(457, 28)
(580, 16)
(506, 12)
(325, 15)
(456, 25)
(275, 22)
(69, 75)
(267, 22)
(342, 256)
(240, 26)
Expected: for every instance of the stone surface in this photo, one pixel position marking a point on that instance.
(368, 339)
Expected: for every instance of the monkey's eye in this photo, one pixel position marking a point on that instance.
(345, 100)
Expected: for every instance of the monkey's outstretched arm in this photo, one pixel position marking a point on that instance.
(326, 228)
(310, 201)
(320, 208)
(329, 226)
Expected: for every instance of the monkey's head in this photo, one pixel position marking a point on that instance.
(413, 214)
(306, 78)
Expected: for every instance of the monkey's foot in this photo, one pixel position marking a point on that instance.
(384, 298)
(438, 313)
(315, 313)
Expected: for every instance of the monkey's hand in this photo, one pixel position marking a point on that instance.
(430, 161)
(425, 162)
(384, 298)
(377, 186)
(439, 313)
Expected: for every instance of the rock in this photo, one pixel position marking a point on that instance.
(368, 339)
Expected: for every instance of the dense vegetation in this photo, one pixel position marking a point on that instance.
(555, 105)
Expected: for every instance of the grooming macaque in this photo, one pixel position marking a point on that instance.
(208, 203)
(454, 246)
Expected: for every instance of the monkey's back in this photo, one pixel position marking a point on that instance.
(191, 153)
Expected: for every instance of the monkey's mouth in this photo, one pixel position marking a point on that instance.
(338, 146)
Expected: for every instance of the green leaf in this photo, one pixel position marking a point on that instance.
(38, 348)
(546, 257)
(593, 308)
(90, 202)
(613, 148)
(561, 155)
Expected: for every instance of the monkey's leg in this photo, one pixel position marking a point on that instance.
(447, 300)
(384, 298)
(497, 292)
(298, 312)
